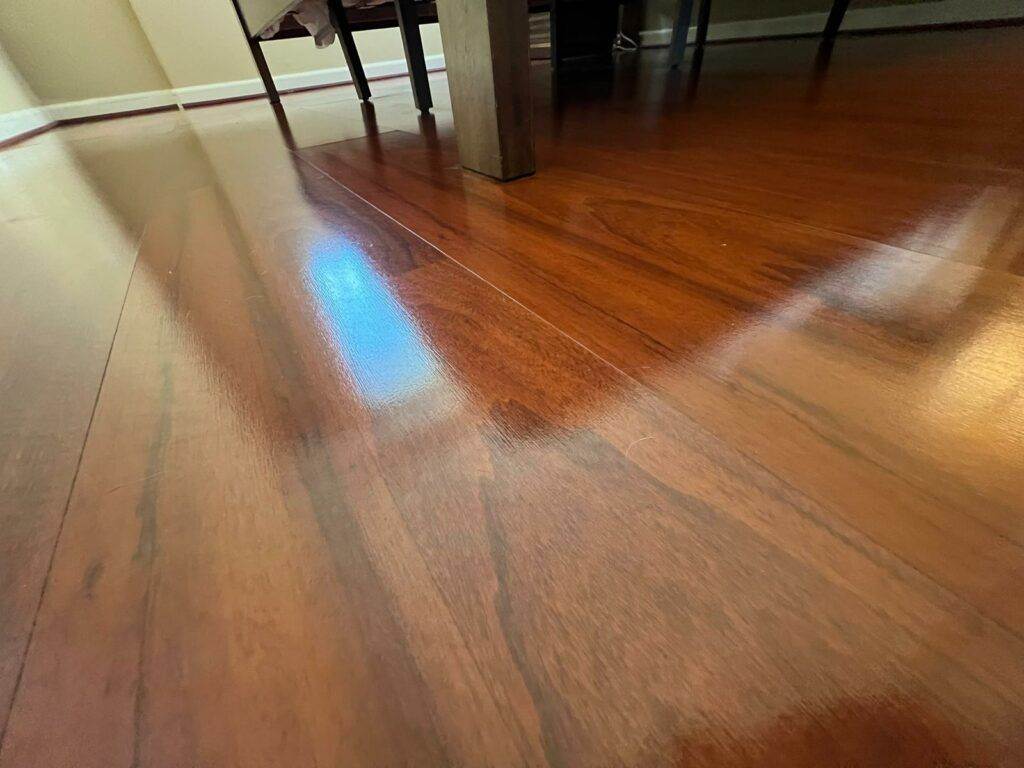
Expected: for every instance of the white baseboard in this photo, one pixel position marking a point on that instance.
(198, 94)
(111, 105)
(15, 124)
(918, 14)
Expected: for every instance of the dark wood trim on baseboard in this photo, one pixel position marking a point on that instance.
(5, 143)
(116, 115)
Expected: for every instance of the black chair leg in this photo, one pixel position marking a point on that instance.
(348, 47)
(257, 56)
(703, 21)
(264, 70)
(409, 24)
(677, 48)
(835, 18)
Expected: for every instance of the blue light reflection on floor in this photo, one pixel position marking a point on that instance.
(379, 342)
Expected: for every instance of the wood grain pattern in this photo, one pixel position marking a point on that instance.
(693, 468)
(66, 257)
(786, 328)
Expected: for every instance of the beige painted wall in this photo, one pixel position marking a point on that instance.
(199, 42)
(68, 50)
(15, 95)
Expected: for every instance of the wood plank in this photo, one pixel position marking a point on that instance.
(787, 352)
(802, 346)
(343, 503)
(487, 56)
(68, 236)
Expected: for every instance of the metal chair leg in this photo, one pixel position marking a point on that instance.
(835, 18)
(257, 56)
(677, 48)
(409, 24)
(703, 21)
(264, 70)
(348, 47)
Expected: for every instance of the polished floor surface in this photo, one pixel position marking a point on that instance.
(702, 447)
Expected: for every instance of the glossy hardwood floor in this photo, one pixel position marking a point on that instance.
(702, 447)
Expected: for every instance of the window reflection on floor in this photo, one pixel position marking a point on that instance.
(380, 344)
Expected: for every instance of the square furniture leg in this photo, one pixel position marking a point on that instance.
(487, 54)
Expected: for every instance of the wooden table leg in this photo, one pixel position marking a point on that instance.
(487, 55)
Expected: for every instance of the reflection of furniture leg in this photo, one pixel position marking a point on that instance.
(257, 56)
(677, 48)
(487, 54)
(286, 129)
(348, 46)
(835, 17)
(409, 24)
